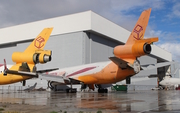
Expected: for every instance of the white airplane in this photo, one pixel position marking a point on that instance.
(169, 82)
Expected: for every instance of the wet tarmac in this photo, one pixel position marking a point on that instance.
(92, 102)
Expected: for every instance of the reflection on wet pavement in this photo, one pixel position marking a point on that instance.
(131, 101)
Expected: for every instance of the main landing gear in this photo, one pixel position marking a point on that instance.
(71, 90)
(53, 86)
(101, 89)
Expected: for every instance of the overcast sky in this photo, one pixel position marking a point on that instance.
(164, 20)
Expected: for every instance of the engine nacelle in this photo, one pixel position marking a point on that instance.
(43, 58)
(39, 56)
(20, 57)
(135, 50)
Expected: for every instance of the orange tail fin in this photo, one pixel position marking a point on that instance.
(140, 27)
(40, 41)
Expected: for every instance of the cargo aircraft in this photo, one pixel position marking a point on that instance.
(124, 64)
(25, 67)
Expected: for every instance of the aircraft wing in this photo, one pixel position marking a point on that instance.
(158, 65)
(46, 70)
(60, 79)
(121, 63)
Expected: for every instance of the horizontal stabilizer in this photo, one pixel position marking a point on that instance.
(121, 63)
(149, 40)
(22, 73)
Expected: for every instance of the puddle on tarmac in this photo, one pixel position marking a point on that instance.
(131, 101)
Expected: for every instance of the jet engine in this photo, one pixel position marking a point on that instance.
(135, 50)
(40, 56)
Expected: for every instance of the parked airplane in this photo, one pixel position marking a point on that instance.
(123, 65)
(26, 61)
(166, 81)
(169, 82)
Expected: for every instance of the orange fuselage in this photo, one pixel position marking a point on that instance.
(110, 74)
(9, 78)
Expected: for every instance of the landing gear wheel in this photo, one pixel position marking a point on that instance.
(73, 90)
(83, 86)
(101, 90)
(105, 90)
(50, 85)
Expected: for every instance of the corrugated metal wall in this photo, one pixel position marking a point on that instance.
(98, 48)
(66, 50)
(101, 48)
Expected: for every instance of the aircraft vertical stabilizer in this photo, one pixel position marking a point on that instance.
(25, 67)
(140, 27)
(136, 45)
(34, 53)
(40, 41)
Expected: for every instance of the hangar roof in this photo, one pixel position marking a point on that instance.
(85, 21)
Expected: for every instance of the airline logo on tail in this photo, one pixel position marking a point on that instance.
(138, 34)
(38, 43)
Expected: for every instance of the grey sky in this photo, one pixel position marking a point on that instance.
(23, 11)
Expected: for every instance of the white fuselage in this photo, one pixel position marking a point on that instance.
(168, 81)
(76, 71)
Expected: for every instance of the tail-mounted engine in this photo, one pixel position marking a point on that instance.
(132, 51)
(39, 56)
